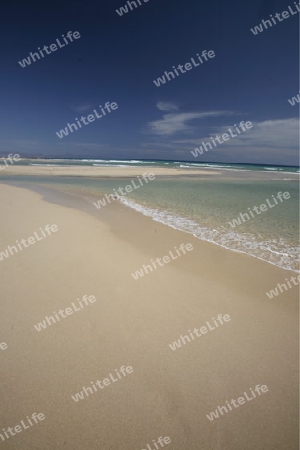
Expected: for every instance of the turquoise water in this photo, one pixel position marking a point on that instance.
(204, 206)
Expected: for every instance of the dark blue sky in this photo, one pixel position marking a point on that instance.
(117, 58)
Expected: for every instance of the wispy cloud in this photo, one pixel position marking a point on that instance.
(267, 140)
(23, 144)
(272, 134)
(81, 108)
(35, 147)
(167, 106)
(269, 134)
(157, 144)
(177, 122)
(89, 144)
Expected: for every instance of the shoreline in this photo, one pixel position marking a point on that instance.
(133, 221)
(126, 172)
(85, 202)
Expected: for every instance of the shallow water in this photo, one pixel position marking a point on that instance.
(204, 208)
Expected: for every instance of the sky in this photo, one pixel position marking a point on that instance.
(116, 58)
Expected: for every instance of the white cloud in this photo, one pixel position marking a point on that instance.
(157, 144)
(273, 134)
(81, 108)
(167, 106)
(279, 134)
(176, 122)
(24, 144)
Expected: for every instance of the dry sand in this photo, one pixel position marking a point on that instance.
(132, 323)
(88, 171)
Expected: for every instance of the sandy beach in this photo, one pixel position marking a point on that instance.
(149, 233)
(41, 168)
(81, 171)
(132, 323)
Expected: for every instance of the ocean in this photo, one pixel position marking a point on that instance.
(55, 162)
(204, 205)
